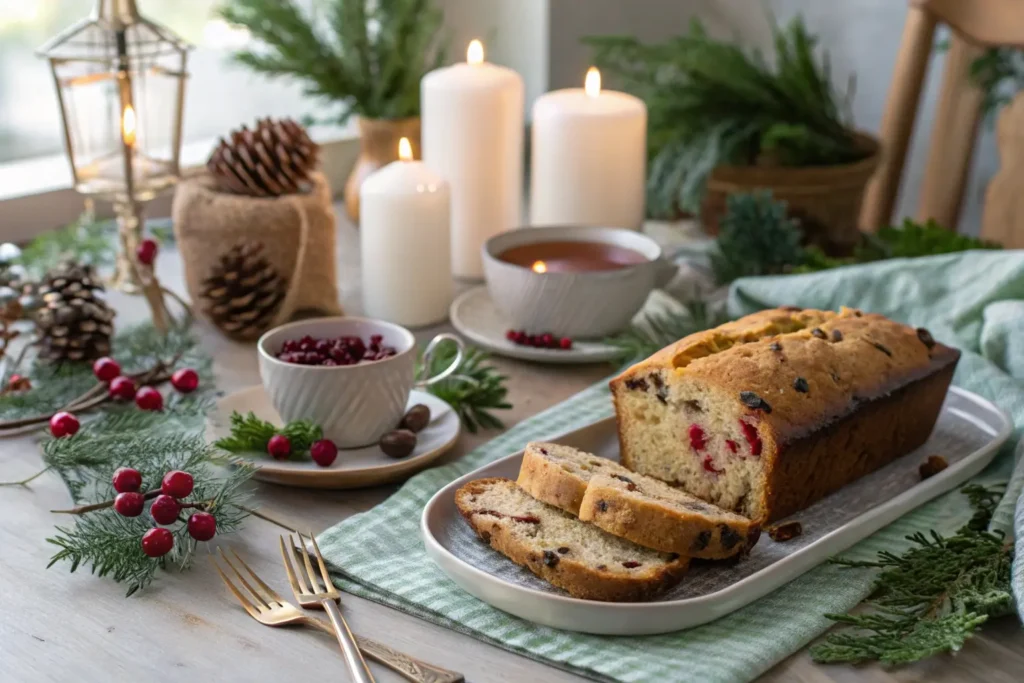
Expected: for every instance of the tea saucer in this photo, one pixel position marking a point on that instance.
(355, 467)
(475, 315)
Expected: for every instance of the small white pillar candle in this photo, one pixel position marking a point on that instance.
(472, 134)
(406, 243)
(589, 157)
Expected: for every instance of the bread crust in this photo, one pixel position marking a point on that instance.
(845, 363)
(575, 577)
(651, 523)
(603, 498)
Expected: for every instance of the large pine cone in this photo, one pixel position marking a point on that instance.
(74, 322)
(275, 158)
(243, 293)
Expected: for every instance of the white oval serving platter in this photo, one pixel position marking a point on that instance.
(354, 467)
(968, 434)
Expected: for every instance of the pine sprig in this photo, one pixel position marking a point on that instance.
(656, 331)
(933, 597)
(475, 390)
(367, 57)
(251, 434)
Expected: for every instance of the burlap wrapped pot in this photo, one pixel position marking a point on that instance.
(297, 233)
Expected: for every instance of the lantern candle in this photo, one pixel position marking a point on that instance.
(473, 136)
(406, 243)
(589, 157)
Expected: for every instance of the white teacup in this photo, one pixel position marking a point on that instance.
(354, 404)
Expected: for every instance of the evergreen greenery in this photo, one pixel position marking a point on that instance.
(249, 434)
(932, 598)
(756, 237)
(710, 102)
(656, 331)
(475, 390)
(367, 57)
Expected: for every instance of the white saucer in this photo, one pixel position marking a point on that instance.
(476, 317)
(354, 468)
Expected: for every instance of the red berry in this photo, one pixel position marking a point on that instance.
(565, 343)
(157, 542)
(149, 398)
(733, 446)
(106, 369)
(127, 479)
(279, 447)
(164, 509)
(129, 504)
(185, 380)
(548, 340)
(177, 484)
(146, 251)
(511, 335)
(324, 452)
(709, 465)
(751, 435)
(202, 526)
(63, 424)
(122, 388)
(698, 439)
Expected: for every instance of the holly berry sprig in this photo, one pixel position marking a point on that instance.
(251, 434)
(113, 386)
(165, 510)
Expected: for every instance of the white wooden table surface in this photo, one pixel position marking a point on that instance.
(56, 626)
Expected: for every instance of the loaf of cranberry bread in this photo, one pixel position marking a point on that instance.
(575, 556)
(633, 506)
(768, 414)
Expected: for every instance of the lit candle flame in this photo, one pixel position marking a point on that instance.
(592, 85)
(405, 149)
(539, 267)
(128, 126)
(475, 52)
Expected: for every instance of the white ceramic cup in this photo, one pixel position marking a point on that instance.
(589, 304)
(354, 404)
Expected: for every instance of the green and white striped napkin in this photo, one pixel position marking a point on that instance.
(974, 300)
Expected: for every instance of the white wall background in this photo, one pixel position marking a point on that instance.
(540, 38)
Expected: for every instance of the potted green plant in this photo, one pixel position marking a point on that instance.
(723, 119)
(365, 57)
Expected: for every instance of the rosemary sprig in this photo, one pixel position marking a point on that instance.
(251, 434)
(475, 390)
(932, 598)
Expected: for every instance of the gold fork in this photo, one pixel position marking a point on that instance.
(327, 598)
(270, 609)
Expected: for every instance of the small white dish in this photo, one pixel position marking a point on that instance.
(354, 468)
(475, 315)
(968, 434)
(354, 404)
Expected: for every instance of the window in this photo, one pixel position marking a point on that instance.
(220, 95)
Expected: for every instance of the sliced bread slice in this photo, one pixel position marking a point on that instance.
(637, 507)
(578, 557)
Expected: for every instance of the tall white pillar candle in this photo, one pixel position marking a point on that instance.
(405, 243)
(472, 134)
(588, 157)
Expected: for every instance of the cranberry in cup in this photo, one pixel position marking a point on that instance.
(341, 350)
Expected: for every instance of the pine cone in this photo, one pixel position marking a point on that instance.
(274, 159)
(243, 293)
(74, 322)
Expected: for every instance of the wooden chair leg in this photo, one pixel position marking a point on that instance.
(954, 133)
(898, 120)
(1003, 219)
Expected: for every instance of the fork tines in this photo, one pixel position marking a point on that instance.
(297, 579)
(263, 601)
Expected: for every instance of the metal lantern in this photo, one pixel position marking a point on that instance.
(121, 88)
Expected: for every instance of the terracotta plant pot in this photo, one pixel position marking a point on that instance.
(826, 199)
(378, 147)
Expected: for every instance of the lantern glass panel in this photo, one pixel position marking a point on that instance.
(121, 94)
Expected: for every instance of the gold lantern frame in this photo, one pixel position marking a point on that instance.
(115, 44)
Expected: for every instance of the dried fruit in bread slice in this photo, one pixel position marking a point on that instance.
(639, 508)
(653, 514)
(575, 556)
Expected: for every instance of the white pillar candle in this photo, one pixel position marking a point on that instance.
(406, 243)
(589, 157)
(473, 136)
